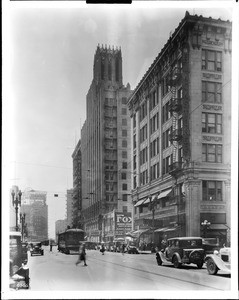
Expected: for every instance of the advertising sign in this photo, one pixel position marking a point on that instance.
(123, 223)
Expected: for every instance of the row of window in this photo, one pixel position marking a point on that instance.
(143, 158)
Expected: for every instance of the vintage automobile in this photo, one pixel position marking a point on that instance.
(36, 248)
(132, 248)
(182, 250)
(219, 260)
(18, 269)
(210, 244)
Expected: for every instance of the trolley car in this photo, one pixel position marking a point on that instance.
(69, 240)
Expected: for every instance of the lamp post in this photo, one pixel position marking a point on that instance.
(205, 225)
(22, 221)
(16, 201)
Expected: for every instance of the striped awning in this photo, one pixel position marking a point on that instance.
(164, 193)
(140, 202)
(148, 199)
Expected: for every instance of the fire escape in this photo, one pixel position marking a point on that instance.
(176, 110)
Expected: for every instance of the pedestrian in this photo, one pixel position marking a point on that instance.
(102, 250)
(158, 258)
(123, 248)
(51, 247)
(82, 255)
(164, 243)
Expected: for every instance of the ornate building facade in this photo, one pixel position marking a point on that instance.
(106, 147)
(180, 116)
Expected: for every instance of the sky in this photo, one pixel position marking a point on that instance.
(48, 63)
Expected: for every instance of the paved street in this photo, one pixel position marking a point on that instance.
(113, 271)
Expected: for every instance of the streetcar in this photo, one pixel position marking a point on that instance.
(69, 240)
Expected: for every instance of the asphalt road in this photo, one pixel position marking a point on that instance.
(113, 271)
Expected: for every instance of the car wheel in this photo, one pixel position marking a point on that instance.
(176, 263)
(211, 267)
(200, 264)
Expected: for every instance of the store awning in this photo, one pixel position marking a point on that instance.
(164, 194)
(148, 200)
(218, 227)
(140, 231)
(161, 229)
(172, 228)
(140, 202)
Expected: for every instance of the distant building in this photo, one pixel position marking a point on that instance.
(77, 187)
(69, 207)
(60, 226)
(36, 210)
(105, 145)
(181, 128)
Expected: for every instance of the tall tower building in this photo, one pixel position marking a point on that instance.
(105, 147)
(181, 122)
(36, 210)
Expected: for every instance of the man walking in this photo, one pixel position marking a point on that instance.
(82, 255)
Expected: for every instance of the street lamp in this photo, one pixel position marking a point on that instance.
(16, 201)
(205, 225)
(22, 221)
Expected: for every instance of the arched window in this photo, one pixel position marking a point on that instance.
(117, 69)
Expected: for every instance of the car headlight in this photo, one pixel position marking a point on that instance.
(215, 252)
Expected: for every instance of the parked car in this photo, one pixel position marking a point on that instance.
(210, 244)
(36, 248)
(219, 260)
(183, 250)
(132, 248)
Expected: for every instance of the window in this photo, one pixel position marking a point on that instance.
(166, 112)
(123, 175)
(143, 111)
(212, 153)
(211, 60)
(124, 186)
(143, 133)
(134, 120)
(124, 154)
(109, 71)
(143, 155)
(124, 143)
(211, 123)
(134, 164)
(154, 148)
(166, 136)
(134, 141)
(167, 161)
(154, 123)
(125, 197)
(153, 100)
(135, 182)
(154, 171)
(211, 92)
(124, 165)
(124, 100)
(166, 85)
(124, 132)
(125, 209)
(124, 111)
(211, 190)
(124, 122)
(144, 177)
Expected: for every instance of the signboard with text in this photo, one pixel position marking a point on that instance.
(123, 223)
